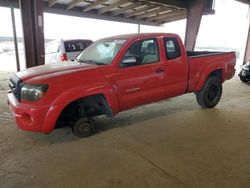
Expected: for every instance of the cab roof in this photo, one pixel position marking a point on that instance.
(142, 35)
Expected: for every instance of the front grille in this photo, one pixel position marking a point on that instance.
(15, 86)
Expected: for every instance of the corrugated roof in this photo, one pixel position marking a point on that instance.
(157, 12)
(149, 12)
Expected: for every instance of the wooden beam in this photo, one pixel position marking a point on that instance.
(160, 15)
(148, 14)
(172, 19)
(164, 15)
(174, 16)
(74, 3)
(173, 3)
(124, 9)
(52, 2)
(112, 6)
(61, 9)
(171, 15)
(93, 5)
(140, 11)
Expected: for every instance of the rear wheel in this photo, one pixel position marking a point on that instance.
(83, 127)
(243, 79)
(211, 92)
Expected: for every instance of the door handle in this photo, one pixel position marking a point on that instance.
(160, 70)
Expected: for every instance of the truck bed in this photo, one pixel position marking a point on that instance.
(203, 62)
(201, 53)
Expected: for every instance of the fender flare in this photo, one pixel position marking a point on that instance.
(104, 89)
(205, 74)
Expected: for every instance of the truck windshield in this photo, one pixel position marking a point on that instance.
(101, 52)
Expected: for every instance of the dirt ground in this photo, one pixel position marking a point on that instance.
(169, 144)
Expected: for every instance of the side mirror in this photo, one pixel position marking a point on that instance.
(129, 60)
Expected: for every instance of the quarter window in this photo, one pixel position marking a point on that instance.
(172, 48)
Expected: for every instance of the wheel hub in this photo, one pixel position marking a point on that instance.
(212, 93)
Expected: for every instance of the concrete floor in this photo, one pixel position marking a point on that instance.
(171, 144)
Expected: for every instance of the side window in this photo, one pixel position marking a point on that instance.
(74, 46)
(140, 53)
(172, 48)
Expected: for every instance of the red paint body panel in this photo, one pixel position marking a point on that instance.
(122, 88)
(202, 66)
(34, 117)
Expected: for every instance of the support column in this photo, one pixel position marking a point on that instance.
(15, 38)
(247, 50)
(33, 32)
(195, 11)
(139, 28)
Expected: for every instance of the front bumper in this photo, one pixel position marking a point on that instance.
(28, 117)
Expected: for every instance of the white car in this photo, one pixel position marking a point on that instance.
(62, 50)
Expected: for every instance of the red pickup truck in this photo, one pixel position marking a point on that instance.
(112, 75)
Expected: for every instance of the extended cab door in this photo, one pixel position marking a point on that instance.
(141, 75)
(176, 66)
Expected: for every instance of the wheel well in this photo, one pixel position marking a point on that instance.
(217, 73)
(90, 106)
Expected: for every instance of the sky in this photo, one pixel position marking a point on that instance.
(227, 28)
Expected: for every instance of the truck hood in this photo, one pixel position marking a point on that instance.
(49, 69)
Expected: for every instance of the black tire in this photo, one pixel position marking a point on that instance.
(243, 79)
(210, 94)
(83, 127)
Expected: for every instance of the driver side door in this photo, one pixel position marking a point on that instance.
(141, 81)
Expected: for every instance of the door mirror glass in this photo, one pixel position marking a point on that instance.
(128, 61)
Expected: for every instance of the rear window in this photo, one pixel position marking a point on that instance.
(76, 45)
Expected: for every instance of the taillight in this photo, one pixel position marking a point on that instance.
(64, 57)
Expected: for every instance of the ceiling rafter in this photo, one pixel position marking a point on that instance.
(173, 14)
(171, 3)
(124, 9)
(93, 5)
(74, 4)
(52, 2)
(148, 14)
(140, 11)
(112, 6)
(162, 15)
(172, 18)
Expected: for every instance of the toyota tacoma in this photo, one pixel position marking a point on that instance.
(112, 75)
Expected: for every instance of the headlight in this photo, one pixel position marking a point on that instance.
(33, 92)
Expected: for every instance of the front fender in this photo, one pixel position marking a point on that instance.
(107, 90)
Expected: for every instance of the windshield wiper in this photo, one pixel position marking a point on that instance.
(99, 63)
(85, 61)
(90, 62)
